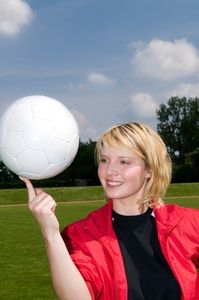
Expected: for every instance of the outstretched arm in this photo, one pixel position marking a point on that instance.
(67, 280)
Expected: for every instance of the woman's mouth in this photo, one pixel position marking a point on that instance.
(113, 183)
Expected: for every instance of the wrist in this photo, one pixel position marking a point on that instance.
(51, 236)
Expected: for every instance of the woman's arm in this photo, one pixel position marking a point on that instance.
(67, 280)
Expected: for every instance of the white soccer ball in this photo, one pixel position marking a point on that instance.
(39, 137)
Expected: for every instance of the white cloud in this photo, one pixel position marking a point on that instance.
(14, 14)
(166, 60)
(85, 129)
(100, 79)
(143, 105)
(185, 90)
(80, 118)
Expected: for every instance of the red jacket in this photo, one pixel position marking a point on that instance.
(95, 250)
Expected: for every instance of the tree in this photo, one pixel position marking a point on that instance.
(178, 125)
(7, 177)
(83, 170)
(83, 167)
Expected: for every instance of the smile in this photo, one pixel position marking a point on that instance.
(113, 183)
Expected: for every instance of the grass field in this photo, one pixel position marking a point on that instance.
(24, 271)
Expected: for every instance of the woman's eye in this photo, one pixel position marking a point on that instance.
(125, 162)
(103, 160)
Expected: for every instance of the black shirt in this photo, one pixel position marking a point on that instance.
(148, 274)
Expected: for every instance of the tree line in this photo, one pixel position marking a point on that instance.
(177, 124)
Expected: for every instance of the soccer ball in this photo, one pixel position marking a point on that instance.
(39, 137)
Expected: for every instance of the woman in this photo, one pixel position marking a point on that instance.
(135, 246)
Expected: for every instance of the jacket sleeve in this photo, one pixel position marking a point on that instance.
(191, 229)
(80, 249)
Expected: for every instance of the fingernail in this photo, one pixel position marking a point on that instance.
(21, 178)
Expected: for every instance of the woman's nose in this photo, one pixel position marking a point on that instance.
(112, 168)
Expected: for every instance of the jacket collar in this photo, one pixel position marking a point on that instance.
(100, 222)
(168, 215)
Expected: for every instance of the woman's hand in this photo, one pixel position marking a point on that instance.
(42, 206)
(66, 278)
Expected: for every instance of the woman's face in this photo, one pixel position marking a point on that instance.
(122, 174)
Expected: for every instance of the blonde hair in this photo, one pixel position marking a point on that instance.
(148, 145)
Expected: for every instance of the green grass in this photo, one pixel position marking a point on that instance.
(62, 194)
(184, 194)
(68, 194)
(183, 189)
(24, 273)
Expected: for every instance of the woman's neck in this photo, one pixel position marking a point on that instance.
(128, 209)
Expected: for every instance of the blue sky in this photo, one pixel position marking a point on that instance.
(108, 61)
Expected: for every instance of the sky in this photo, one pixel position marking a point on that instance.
(108, 61)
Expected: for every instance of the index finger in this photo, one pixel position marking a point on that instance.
(30, 188)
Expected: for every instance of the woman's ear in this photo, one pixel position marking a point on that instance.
(148, 173)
